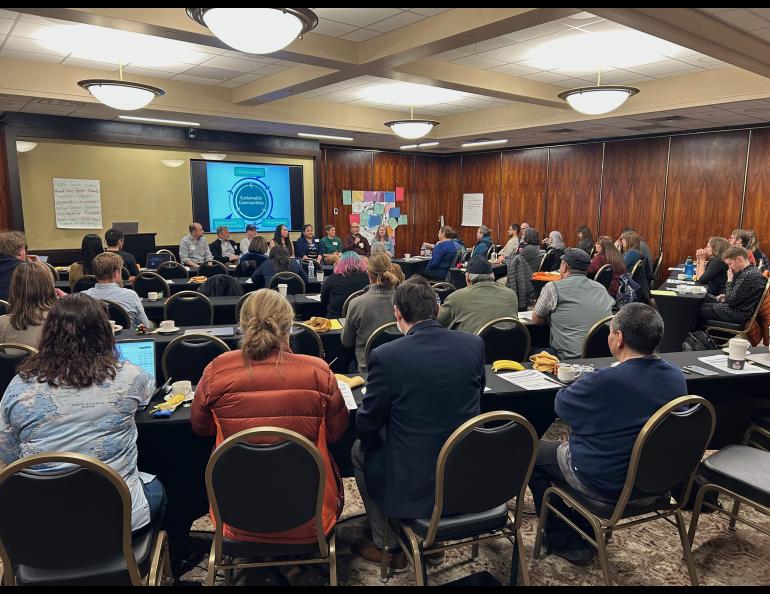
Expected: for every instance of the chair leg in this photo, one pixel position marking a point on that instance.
(333, 559)
(686, 547)
(696, 514)
(544, 511)
(522, 559)
(211, 573)
(418, 559)
(601, 546)
(384, 559)
(734, 514)
(475, 549)
(228, 571)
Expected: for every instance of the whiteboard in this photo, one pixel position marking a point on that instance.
(78, 203)
(473, 206)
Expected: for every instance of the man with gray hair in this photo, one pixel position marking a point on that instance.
(482, 301)
(483, 241)
(605, 410)
(224, 249)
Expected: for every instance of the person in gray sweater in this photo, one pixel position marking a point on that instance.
(374, 308)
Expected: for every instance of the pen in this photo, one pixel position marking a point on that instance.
(332, 361)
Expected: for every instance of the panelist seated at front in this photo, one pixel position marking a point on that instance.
(223, 248)
(193, 248)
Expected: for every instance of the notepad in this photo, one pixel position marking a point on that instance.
(347, 395)
(720, 362)
(659, 292)
(529, 379)
(525, 315)
(335, 325)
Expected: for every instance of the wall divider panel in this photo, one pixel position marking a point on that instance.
(756, 206)
(482, 174)
(525, 175)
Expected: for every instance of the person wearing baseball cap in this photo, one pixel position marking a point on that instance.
(251, 233)
(482, 301)
(572, 304)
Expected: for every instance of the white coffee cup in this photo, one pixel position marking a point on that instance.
(113, 324)
(319, 276)
(407, 256)
(283, 289)
(737, 349)
(681, 276)
(567, 373)
(167, 325)
(153, 295)
(181, 387)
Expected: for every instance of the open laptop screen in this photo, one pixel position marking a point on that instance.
(155, 260)
(139, 352)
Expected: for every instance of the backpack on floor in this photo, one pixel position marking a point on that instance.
(698, 341)
(629, 291)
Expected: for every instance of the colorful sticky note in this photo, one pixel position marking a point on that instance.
(358, 196)
(390, 196)
(347, 198)
(379, 208)
(368, 196)
(375, 220)
(358, 207)
(379, 196)
(402, 220)
(355, 219)
(393, 222)
(394, 212)
(399, 194)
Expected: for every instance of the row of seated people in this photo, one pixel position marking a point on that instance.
(76, 395)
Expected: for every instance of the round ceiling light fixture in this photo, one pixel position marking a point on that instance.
(597, 100)
(121, 94)
(411, 128)
(172, 162)
(214, 156)
(24, 146)
(256, 30)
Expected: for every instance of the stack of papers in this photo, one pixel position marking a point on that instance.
(720, 362)
(525, 315)
(314, 297)
(529, 379)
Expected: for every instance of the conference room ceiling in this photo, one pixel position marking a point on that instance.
(495, 73)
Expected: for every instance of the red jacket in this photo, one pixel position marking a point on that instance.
(291, 391)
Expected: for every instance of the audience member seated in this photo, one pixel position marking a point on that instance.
(75, 395)
(251, 233)
(753, 247)
(31, 298)
(193, 248)
(530, 248)
(482, 301)
(281, 239)
(607, 253)
(711, 269)
(414, 400)
(555, 247)
(114, 238)
(522, 229)
(633, 253)
(745, 285)
(308, 247)
(107, 271)
(349, 276)
(256, 252)
(452, 234)
(90, 247)
(13, 251)
(585, 239)
(381, 238)
(605, 410)
(742, 238)
(643, 248)
(278, 261)
(483, 241)
(223, 249)
(265, 384)
(331, 245)
(221, 285)
(443, 254)
(374, 308)
(356, 242)
(512, 245)
(573, 305)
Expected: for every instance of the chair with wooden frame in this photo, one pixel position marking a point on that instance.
(715, 328)
(479, 469)
(637, 270)
(54, 272)
(293, 496)
(11, 356)
(595, 343)
(505, 338)
(5, 307)
(665, 456)
(74, 527)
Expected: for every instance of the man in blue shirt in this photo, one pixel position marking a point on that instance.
(605, 411)
(442, 257)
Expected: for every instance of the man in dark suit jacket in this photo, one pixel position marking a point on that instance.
(224, 249)
(420, 389)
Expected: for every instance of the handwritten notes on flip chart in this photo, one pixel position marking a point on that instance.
(78, 203)
(473, 208)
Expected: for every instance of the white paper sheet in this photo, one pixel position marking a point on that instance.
(314, 297)
(525, 315)
(473, 209)
(77, 203)
(529, 379)
(720, 362)
(672, 268)
(347, 394)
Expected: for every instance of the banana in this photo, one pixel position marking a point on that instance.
(506, 365)
(544, 362)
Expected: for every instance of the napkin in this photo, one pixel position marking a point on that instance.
(353, 382)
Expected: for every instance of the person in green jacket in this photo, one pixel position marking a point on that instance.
(331, 245)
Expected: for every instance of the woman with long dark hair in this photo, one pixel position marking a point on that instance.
(279, 261)
(76, 395)
(90, 247)
(585, 239)
(607, 253)
(281, 239)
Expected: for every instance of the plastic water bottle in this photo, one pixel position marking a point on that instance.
(310, 269)
(493, 256)
(689, 268)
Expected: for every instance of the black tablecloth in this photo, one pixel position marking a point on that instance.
(457, 275)
(412, 266)
(679, 313)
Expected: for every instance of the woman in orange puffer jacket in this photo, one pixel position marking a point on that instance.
(265, 384)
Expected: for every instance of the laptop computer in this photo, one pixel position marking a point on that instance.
(155, 260)
(140, 352)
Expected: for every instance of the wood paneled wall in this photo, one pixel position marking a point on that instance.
(5, 196)
(676, 191)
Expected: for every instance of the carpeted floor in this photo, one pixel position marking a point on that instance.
(646, 555)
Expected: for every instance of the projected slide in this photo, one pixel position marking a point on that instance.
(240, 194)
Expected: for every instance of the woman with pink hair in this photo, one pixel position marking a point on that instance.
(349, 276)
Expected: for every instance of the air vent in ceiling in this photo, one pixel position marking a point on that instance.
(57, 102)
(676, 118)
(647, 127)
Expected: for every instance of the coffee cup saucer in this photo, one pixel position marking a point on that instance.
(168, 330)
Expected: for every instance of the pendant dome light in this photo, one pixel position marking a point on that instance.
(412, 128)
(121, 94)
(599, 99)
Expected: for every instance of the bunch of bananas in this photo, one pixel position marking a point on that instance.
(544, 362)
(170, 404)
(506, 365)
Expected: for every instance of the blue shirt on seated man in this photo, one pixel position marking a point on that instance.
(605, 411)
(443, 255)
